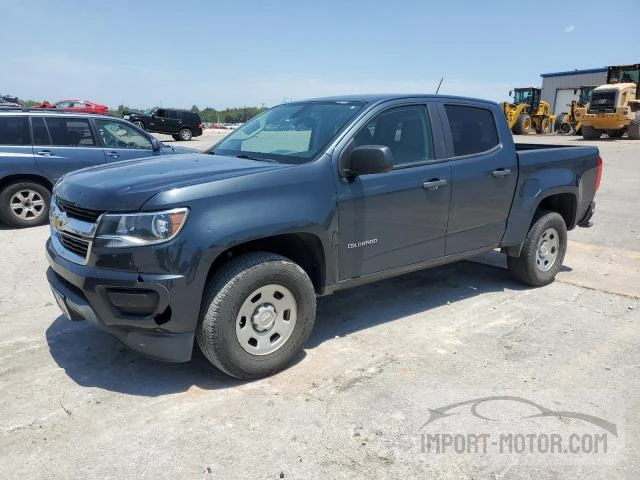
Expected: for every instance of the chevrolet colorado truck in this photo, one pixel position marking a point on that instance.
(229, 249)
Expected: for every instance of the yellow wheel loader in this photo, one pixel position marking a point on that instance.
(528, 112)
(570, 123)
(615, 107)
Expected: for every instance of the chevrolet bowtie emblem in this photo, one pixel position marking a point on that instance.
(59, 219)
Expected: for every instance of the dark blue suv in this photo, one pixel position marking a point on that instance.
(39, 147)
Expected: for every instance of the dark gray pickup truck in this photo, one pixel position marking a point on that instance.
(229, 249)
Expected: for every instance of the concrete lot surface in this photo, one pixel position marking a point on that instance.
(370, 391)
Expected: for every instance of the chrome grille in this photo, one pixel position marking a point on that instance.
(80, 213)
(75, 243)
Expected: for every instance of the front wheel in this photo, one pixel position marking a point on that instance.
(615, 133)
(543, 251)
(175, 137)
(590, 133)
(257, 314)
(139, 124)
(24, 204)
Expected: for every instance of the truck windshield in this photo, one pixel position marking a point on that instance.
(521, 96)
(289, 133)
(624, 74)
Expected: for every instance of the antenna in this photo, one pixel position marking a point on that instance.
(438, 89)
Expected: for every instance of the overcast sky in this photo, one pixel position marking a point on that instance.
(227, 53)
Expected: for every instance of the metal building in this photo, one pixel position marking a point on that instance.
(558, 88)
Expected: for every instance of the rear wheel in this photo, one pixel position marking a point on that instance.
(257, 314)
(185, 134)
(590, 133)
(523, 124)
(543, 251)
(24, 204)
(633, 130)
(615, 133)
(562, 125)
(545, 125)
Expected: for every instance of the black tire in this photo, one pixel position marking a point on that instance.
(523, 124)
(529, 268)
(615, 133)
(14, 208)
(139, 124)
(590, 133)
(545, 125)
(175, 137)
(227, 293)
(562, 125)
(633, 130)
(185, 134)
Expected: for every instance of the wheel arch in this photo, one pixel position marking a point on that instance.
(303, 248)
(26, 177)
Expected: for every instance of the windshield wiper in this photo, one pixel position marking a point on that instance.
(247, 157)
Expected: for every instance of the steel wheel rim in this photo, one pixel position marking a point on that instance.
(526, 123)
(139, 124)
(548, 248)
(266, 319)
(185, 135)
(27, 204)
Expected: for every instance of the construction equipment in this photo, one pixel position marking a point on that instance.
(615, 107)
(528, 111)
(570, 123)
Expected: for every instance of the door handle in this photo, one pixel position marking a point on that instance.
(113, 154)
(434, 184)
(501, 172)
(44, 153)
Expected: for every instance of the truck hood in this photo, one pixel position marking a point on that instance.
(127, 185)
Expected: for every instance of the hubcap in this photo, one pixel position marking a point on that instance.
(27, 204)
(548, 247)
(186, 135)
(266, 319)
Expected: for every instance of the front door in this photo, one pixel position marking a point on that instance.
(63, 144)
(122, 141)
(394, 219)
(484, 180)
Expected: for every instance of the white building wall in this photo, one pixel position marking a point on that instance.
(553, 83)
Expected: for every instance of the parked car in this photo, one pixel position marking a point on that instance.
(180, 124)
(11, 99)
(231, 248)
(76, 106)
(38, 147)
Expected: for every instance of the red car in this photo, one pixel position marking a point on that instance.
(75, 106)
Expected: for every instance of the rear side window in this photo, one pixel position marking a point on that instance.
(172, 114)
(40, 133)
(70, 132)
(14, 131)
(473, 129)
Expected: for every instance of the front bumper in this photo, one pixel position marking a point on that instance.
(150, 314)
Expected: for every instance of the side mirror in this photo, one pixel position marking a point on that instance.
(575, 91)
(155, 144)
(510, 92)
(367, 159)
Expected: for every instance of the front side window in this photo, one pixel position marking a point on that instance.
(70, 132)
(14, 131)
(404, 130)
(63, 104)
(116, 134)
(160, 113)
(289, 133)
(173, 114)
(473, 129)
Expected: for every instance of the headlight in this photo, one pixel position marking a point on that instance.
(138, 229)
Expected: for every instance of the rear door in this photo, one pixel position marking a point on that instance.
(63, 144)
(172, 121)
(484, 178)
(122, 141)
(16, 153)
(393, 219)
